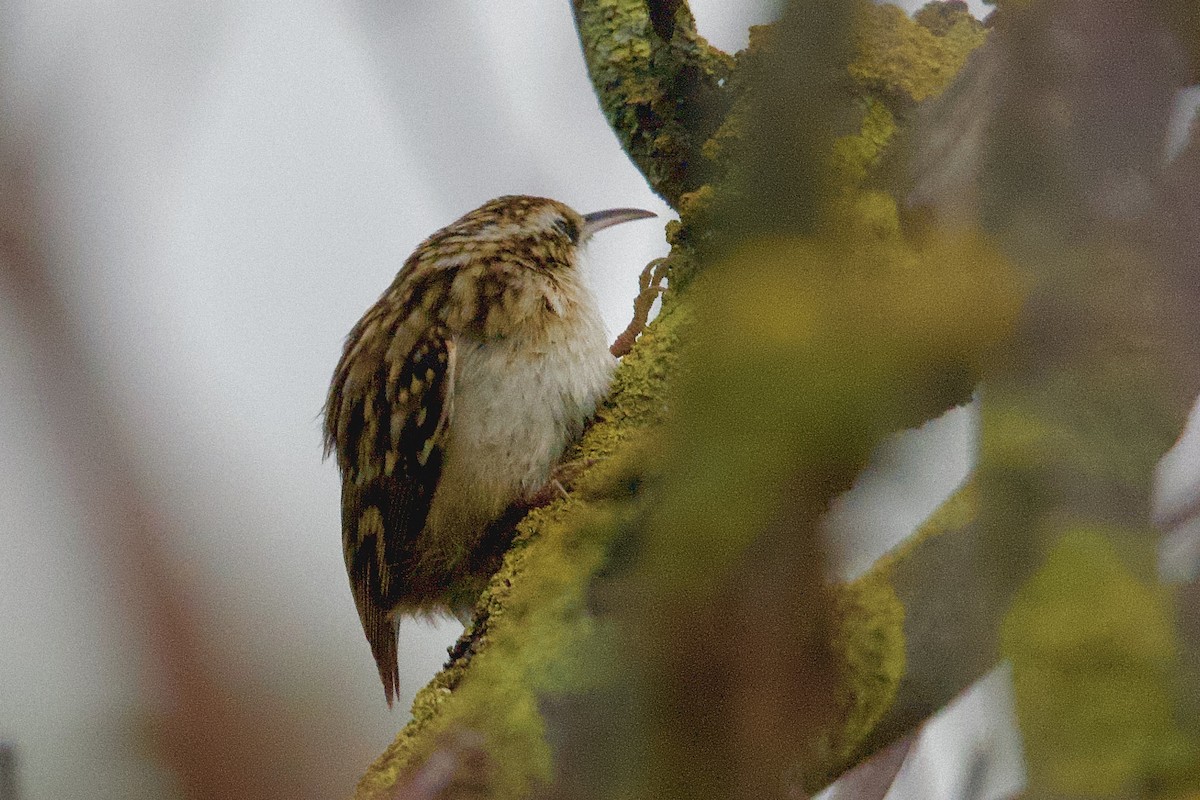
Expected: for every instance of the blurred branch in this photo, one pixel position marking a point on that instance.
(1096, 386)
(9, 778)
(659, 84)
(950, 621)
(211, 738)
(874, 777)
(1177, 236)
(457, 769)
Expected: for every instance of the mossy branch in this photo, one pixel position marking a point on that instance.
(659, 84)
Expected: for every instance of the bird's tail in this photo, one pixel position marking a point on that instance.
(382, 636)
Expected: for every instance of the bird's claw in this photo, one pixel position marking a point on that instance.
(650, 286)
(564, 475)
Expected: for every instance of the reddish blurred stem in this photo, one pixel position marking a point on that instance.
(208, 736)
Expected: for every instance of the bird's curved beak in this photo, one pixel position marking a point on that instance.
(599, 220)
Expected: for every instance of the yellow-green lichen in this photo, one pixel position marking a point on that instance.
(535, 622)
(854, 156)
(1093, 652)
(813, 350)
(870, 642)
(897, 54)
(658, 94)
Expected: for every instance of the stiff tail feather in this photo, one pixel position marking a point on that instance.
(382, 637)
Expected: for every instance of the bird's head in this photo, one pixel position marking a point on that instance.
(545, 232)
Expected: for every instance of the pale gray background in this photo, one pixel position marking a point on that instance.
(233, 183)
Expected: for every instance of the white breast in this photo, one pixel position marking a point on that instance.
(517, 406)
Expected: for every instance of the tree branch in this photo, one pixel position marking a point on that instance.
(659, 84)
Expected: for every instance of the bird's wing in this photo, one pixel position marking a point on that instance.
(389, 440)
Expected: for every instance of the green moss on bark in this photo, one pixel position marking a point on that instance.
(659, 84)
(899, 55)
(1094, 656)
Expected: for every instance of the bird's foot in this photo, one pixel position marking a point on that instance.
(650, 286)
(563, 476)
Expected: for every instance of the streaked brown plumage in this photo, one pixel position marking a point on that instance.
(455, 396)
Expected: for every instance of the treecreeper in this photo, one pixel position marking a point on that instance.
(454, 399)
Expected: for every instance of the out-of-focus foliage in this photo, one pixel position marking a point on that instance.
(827, 347)
(1099, 380)
(941, 18)
(917, 57)
(894, 62)
(1094, 657)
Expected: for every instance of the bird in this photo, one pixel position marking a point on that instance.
(456, 395)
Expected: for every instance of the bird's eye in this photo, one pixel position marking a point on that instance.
(568, 229)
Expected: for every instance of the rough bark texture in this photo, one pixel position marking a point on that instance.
(659, 84)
